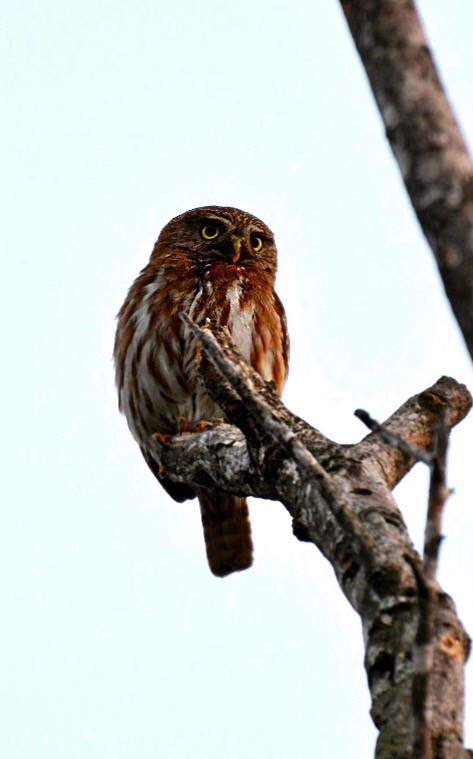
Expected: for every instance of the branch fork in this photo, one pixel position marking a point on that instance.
(339, 497)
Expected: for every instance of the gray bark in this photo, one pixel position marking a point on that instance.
(339, 497)
(424, 137)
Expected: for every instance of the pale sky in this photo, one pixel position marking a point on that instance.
(117, 642)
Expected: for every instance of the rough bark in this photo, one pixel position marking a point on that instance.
(424, 137)
(339, 497)
(426, 578)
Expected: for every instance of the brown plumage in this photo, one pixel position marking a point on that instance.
(212, 263)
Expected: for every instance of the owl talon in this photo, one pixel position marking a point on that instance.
(182, 425)
(208, 424)
(198, 355)
(162, 437)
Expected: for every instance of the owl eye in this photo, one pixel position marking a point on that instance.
(256, 243)
(210, 232)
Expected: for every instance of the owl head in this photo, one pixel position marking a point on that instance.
(217, 234)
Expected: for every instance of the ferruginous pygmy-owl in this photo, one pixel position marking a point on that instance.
(210, 263)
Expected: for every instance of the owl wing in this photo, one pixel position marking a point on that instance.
(281, 314)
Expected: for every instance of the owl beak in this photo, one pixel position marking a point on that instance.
(236, 242)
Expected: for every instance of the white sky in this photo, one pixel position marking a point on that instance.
(117, 642)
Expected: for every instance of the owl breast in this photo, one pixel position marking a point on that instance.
(240, 320)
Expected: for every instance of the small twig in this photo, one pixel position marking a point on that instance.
(248, 386)
(230, 364)
(423, 659)
(427, 594)
(438, 494)
(393, 440)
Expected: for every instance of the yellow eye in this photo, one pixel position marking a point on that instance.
(210, 232)
(256, 243)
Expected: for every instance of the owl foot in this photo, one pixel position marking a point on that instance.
(182, 425)
(161, 437)
(208, 424)
(198, 355)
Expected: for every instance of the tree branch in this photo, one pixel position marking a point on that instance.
(339, 497)
(394, 440)
(424, 137)
(422, 686)
(426, 576)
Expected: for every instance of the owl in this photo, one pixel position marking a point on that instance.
(212, 263)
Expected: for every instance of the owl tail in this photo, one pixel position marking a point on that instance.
(227, 532)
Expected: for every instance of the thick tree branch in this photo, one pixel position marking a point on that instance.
(424, 137)
(426, 576)
(339, 497)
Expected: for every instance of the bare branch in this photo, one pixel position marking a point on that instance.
(424, 136)
(438, 495)
(422, 696)
(425, 574)
(415, 422)
(423, 660)
(339, 498)
(394, 440)
(259, 401)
